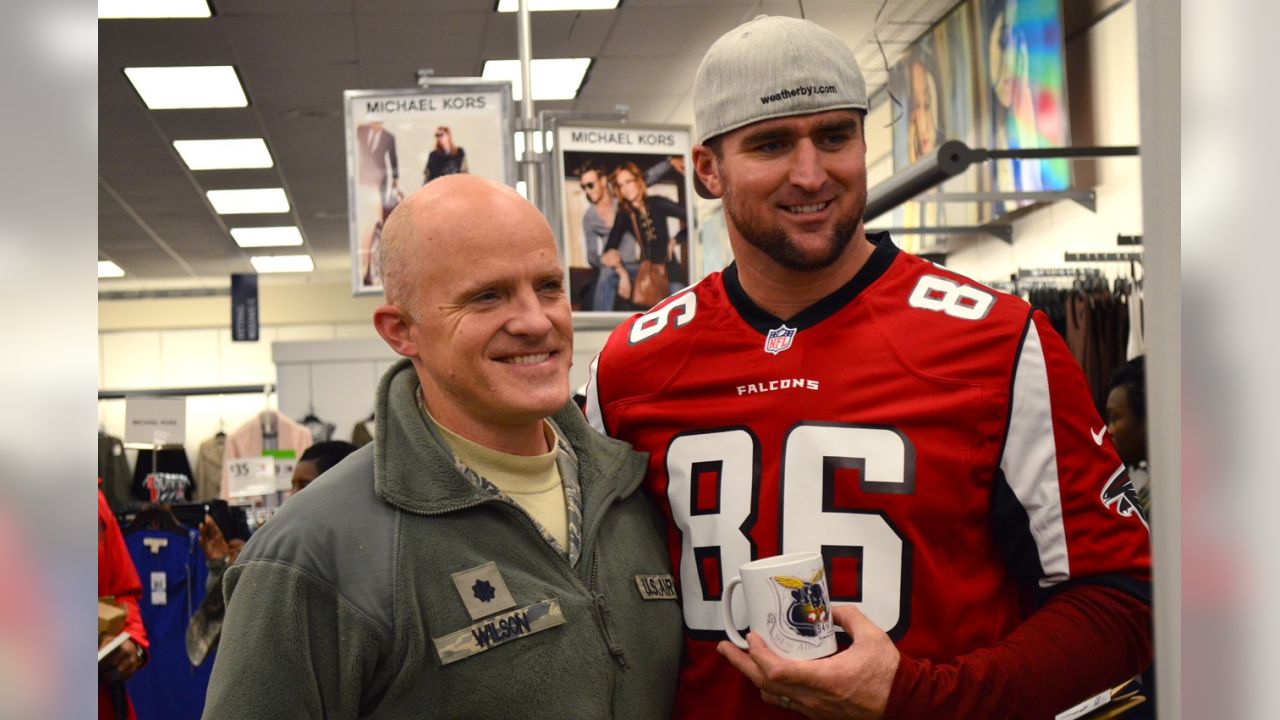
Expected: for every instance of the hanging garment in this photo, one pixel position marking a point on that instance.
(249, 440)
(209, 468)
(113, 471)
(363, 433)
(1136, 344)
(321, 431)
(172, 570)
(170, 461)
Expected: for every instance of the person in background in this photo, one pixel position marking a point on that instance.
(485, 555)
(445, 159)
(206, 625)
(1127, 425)
(826, 392)
(597, 224)
(645, 217)
(118, 579)
(317, 459)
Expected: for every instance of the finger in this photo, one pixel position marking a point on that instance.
(853, 621)
(776, 669)
(742, 662)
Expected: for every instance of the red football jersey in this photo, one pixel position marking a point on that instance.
(932, 437)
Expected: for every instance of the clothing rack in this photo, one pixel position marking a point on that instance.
(1058, 272)
(1102, 257)
(267, 388)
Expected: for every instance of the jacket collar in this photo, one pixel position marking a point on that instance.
(414, 470)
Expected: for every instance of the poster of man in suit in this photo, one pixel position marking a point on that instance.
(392, 136)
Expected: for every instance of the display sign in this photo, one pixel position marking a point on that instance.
(251, 476)
(266, 475)
(623, 196)
(155, 420)
(399, 140)
(991, 75)
(244, 307)
(285, 462)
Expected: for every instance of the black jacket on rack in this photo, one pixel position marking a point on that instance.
(168, 460)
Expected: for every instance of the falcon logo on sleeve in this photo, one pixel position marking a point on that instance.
(1120, 495)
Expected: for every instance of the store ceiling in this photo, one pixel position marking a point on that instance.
(295, 57)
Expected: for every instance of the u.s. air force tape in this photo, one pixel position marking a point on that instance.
(498, 630)
(656, 587)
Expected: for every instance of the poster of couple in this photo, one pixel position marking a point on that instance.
(625, 213)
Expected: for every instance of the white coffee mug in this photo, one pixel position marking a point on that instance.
(787, 604)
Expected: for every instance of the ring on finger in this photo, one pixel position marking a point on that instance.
(784, 702)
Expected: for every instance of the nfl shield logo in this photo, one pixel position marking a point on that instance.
(779, 339)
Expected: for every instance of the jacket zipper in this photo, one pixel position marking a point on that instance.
(602, 611)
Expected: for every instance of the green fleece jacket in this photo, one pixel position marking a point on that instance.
(335, 607)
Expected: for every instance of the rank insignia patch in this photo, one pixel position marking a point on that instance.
(482, 590)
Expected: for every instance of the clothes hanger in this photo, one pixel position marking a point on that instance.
(155, 517)
(310, 417)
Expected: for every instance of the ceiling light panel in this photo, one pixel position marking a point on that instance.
(510, 6)
(145, 9)
(553, 78)
(267, 236)
(239, 202)
(183, 88)
(224, 154)
(108, 269)
(282, 263)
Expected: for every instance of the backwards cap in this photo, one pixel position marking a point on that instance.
(773, 67)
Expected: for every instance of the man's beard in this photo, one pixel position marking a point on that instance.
(774, 242)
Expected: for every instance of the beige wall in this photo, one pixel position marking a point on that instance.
(278, 305)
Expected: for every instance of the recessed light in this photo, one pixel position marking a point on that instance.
(178, 88)
(553, 78)
(239, 202)
(143, 9)
(510, 6)
(224, 154)
(282, 263)
(108, 269)
(267, 236)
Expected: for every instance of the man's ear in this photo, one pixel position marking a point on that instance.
(395, 328)
(708, 169)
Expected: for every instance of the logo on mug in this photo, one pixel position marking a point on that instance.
(807, 615)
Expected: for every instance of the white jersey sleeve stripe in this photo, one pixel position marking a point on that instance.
(595, 416)
(1030, 460)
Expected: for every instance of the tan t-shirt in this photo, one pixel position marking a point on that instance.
(532, 481)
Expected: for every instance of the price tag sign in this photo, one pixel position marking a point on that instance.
(286, 461)
(284, 473)
(252, 476)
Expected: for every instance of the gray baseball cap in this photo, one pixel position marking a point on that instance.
(773, 67)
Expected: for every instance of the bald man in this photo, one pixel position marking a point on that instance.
(488, 555)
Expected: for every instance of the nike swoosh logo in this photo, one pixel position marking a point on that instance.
(1097, 436)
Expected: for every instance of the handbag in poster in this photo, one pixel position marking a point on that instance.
(400, 140)
(625, 213)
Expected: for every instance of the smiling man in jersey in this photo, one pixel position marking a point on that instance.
(931, 437)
